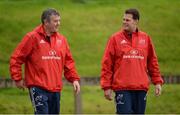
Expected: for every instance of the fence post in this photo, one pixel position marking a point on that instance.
(6, 83)
(78, 102)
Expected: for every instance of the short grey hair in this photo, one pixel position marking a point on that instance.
(48, 13)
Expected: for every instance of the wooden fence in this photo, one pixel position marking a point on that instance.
(6, 82)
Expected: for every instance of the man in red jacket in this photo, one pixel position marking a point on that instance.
(128, 62)
(46, 56)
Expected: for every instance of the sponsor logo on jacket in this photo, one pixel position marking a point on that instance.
(142, 42)
(133, 54)
(123, 42)
(42, 41)
(59, 42)
(51, 55)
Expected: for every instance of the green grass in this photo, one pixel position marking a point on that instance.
(88, 23)
(16, 101)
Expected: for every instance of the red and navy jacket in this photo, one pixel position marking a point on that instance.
(45, 60)
(128, 64)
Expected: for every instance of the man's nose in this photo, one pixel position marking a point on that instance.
(124, 22)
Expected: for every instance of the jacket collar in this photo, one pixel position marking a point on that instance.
(129, 35)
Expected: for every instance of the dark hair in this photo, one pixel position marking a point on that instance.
(47, 13)
(134, 12)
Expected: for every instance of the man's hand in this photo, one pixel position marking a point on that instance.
(158, 89)
(76, 87)
(20, 84)
(108, 94)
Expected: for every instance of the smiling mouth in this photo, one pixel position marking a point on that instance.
(125, 26)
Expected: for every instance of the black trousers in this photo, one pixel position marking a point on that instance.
(45, 102)
(130, 101)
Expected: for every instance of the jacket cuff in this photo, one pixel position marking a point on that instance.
(16, 80)
(74, 79)
(106, 88)
(161, 83)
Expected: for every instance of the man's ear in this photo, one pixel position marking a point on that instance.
(46, 22)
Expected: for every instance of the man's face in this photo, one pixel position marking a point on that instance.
(129, 24)
(53, 24)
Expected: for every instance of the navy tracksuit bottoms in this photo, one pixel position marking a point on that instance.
(130, 101)
(45, 102)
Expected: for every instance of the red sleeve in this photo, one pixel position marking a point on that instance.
(107, 65)
(152, 65)
(18, 57)
(70, 72)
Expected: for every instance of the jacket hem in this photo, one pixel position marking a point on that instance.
(117, 89)
(45, 88)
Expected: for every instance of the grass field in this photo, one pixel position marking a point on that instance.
(17, 101)
(88, 23)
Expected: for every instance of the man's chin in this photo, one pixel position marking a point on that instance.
(56, 30)
(125, 29)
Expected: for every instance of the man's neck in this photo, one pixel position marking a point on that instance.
(133, 30)
(129, 33)
(48, 33)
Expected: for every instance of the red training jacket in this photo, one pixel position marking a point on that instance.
(127, 63)
(44, 60)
